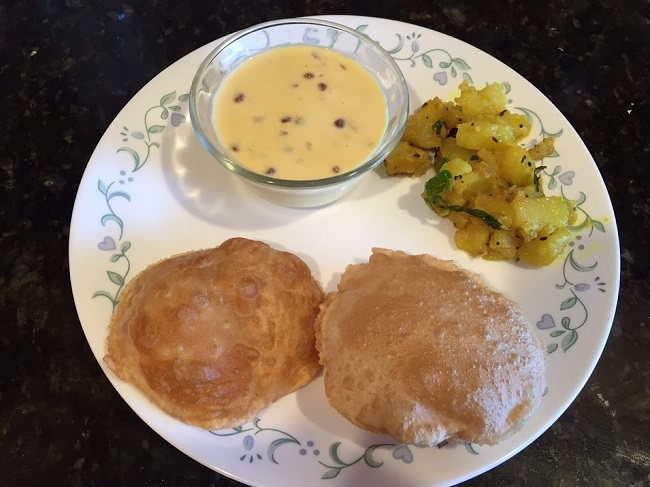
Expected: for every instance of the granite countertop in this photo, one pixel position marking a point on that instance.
(68, 67)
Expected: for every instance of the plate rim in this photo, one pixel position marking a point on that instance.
(346, 19)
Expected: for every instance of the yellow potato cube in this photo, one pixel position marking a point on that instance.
(515, 167)
(484, 134)
(406, 159)
(461, 176)
(473, 237)
(540, 216)
(504, 244)
(543, 149)
(497, 206)
(490, 99)
(451, 150)
(544, 250)
(521, 124)
(425, 127)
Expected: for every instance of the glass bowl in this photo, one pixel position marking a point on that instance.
(243, 45)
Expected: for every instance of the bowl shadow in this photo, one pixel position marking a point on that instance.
(210, 192)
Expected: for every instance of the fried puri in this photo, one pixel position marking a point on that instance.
(214, 336)
(424, 351)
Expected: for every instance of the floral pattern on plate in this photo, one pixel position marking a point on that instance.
(128, 213)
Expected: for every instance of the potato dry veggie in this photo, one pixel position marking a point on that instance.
(485, 183)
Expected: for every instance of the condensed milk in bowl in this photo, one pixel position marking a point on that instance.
(300, 109)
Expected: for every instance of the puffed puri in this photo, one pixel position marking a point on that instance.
(214, 336)
(425, 351)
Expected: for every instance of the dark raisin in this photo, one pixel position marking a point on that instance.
(322, 86)
(235, 148)
(239, 98)
(308, 75)
(339, 122)
(285, 119)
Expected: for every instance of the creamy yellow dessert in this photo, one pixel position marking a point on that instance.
(300, 112)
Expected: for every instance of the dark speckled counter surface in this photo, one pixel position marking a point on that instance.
(66, 69)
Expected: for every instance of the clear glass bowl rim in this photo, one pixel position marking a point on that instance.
(380, 153)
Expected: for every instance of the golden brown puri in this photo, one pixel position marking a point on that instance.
(214, 336)
(424, 351)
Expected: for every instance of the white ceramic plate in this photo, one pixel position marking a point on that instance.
(151, 191)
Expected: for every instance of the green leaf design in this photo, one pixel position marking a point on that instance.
(277, 444)
(568, 303)
(552, 347)
(569, 340)
(467, 77)
(400, 45)
(165, 114)
(362, 28)
(133, 154)
(460, 63)
(115, 257)
(115, 278)
(126, 245)
(580, 267)
(598, 226)
(581, 199)
(184, 97)
(111, 217)
(470, 448)
(566, 321)
(118, 194)
(543, 132)
(334, 447)
(101, 187)
(426, 60)
(557, 333)
(103, 294)
(168, 98)
(175, 108)
(367, 457)
(330, 474)
(156, 129)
